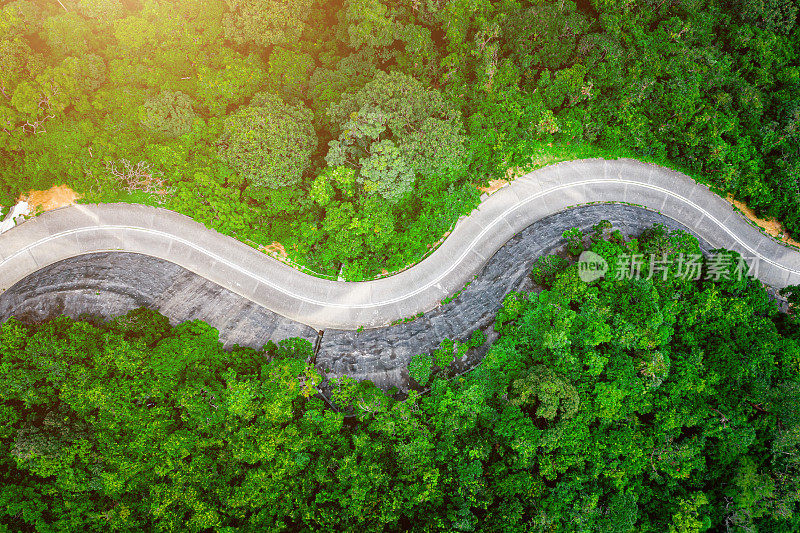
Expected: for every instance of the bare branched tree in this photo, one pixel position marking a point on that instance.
(37, 126)
(138, 177)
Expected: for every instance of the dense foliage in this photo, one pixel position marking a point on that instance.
(354, 131)
(634, 405)
(269, 142)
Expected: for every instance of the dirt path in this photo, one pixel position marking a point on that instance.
(53, 198)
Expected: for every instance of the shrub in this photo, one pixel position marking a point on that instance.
(546, 268)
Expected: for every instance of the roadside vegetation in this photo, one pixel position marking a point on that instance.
(354, 133)
(646, 405)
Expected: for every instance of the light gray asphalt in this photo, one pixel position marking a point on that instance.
(324, 304)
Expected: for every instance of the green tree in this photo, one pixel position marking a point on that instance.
(327, 85)
(394, 131)
(289, 72)
(269, 142)
(169, 113)
(105, 10)
(265, 22)
(228, 80)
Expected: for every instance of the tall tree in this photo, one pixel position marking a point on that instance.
(394, 131)
(269, 142)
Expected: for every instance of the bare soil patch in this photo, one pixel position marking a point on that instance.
(770, 225)
(275, 249)
(493, 186)
(53, 198)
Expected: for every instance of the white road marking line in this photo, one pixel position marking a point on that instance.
(433, 283)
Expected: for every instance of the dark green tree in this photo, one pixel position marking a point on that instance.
(269, 142)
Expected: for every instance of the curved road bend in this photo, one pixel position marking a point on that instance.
(323, 304)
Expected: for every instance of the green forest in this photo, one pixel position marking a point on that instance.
(647, 405)
(355, 132)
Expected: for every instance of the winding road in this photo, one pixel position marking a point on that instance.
(323, 304)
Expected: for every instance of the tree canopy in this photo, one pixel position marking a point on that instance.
(394, 131)
(354, 134)
(424, 100)
(634, 404)
(269, 142)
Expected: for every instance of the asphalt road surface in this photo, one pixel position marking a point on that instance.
(323, 304)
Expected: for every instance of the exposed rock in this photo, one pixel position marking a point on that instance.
(110, 284)
(378, 354)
